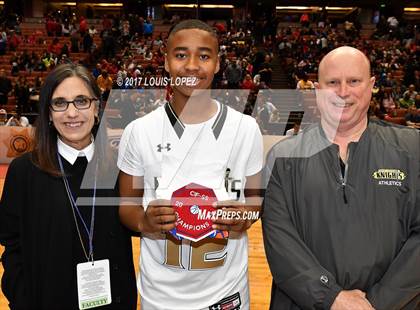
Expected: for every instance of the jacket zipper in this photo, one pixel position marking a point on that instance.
(343, 179)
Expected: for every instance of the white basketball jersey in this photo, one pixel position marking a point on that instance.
(218, 154)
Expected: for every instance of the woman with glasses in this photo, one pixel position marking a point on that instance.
(64, 245)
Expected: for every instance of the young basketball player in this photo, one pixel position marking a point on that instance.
(191, 139)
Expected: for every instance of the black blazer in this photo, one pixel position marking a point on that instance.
(42, 247)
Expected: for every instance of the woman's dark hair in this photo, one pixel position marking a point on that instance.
(44, 153)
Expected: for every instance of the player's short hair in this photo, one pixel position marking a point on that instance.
(193, 24)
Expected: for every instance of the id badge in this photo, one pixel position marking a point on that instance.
(93, 284)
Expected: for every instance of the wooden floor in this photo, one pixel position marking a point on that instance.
(259, 274)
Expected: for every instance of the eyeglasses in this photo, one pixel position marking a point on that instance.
(80, 103)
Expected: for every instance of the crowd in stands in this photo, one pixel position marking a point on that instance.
(242, 65)
(128, 46)
(392, 50)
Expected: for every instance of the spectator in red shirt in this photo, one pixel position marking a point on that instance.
(14, 42)
(83, 26)
(55, 47)
(247, 83)
(220, 27)
(110, 67)
(57, 28)
(106, 23)
(31, 39)
(50, 26)
(304, 20)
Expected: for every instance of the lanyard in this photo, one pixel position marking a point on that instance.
(74, 208)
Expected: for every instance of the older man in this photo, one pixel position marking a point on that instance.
(411, 91)
(341, 217)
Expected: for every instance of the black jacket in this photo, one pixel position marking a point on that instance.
(42, 247)
(324, 233)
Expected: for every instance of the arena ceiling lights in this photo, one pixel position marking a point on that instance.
(106, 4)
(65, 3)
(412, 14)
(412, 10)
(296, 7)
(203, 6)
(314, 8)
(103, 4)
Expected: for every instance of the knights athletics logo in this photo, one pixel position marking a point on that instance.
(388, 176)
(160, 147)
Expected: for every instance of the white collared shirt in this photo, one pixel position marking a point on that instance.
(70, 153)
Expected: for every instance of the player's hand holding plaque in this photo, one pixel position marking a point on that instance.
(194, 208)
(233, 218)
(159, 217)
